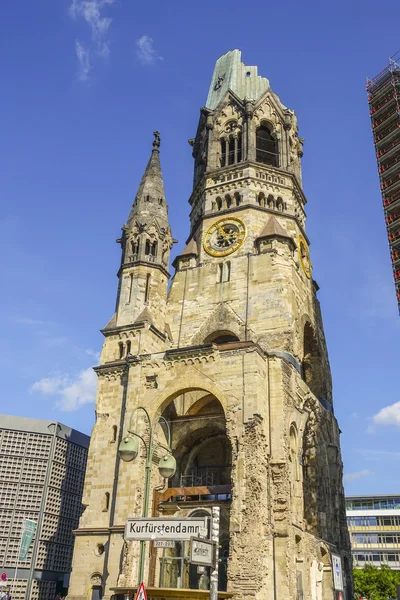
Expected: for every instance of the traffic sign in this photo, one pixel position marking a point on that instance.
(337, 573)
(158, 528)
(141, 593)
(202, 552)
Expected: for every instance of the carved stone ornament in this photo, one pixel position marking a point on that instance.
(151, 381)
(219, 81)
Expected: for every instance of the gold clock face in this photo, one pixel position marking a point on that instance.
(224, 237)
(304, 257)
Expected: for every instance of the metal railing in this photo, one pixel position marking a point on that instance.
(206, 476)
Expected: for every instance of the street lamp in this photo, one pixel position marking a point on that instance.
(128, 451)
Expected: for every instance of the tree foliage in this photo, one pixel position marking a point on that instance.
(375, 583)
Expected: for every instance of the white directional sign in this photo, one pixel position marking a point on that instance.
(163, 529)
(337, 573)
(202, 552)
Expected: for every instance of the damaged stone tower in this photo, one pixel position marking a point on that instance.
(233, 357)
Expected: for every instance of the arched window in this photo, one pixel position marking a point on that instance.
(239, 148)
(114, 434)
(121, 349)
(224, 272)
(128, 347)
(223, 152)
(279, 204)
(220, 273)
(129, 295)
(237, 198)
(221, 337)
(271, 202)
(227, 271)
(154, 249)
(266, 147)
(106, 502)
(231, 152)
(147, 248)
(228, 201)
(261, 199)
(147, 288)
(219, 203)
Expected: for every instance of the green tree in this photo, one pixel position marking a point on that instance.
(375, 584)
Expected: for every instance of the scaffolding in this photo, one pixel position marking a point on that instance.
(384, 107)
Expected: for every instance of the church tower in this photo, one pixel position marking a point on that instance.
(231, 361)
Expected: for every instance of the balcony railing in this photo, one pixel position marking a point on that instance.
(206, 476)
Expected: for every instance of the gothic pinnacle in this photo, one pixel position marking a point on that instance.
(150, 198)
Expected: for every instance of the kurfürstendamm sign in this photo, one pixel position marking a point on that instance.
(144, 529)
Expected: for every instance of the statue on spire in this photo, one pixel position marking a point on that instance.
(157, 141)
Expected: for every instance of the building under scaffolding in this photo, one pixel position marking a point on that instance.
(384, 107)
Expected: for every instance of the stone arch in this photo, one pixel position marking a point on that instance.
(96, 586)
(222, 318)
(325, 555)
(261, 199)
(196, 381)
(221, 337)
(203, 405)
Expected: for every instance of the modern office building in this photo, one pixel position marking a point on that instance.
(384, 107)
(42, 470)
(374, 526)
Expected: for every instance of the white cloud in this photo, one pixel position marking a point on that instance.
(349, 477)
(145, 50)
(71, 392)
(83, 56)
(91, 12)
(389, 415)
(92, 353)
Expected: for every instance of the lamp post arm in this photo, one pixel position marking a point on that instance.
(168, 430)
(135, 410)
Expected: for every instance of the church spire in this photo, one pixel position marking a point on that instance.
(150, 198)
(146, 244)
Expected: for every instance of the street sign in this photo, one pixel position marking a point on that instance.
(26, 539)
(156, 528)
(203, 532)
(202, 552)
(141, 593)
(164, 544)
(337, 573)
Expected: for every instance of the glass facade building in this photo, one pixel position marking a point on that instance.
(374, 526)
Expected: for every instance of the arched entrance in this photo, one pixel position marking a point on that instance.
(202, 480)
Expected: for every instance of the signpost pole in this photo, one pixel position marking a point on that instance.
(16, 567)
(215, 538)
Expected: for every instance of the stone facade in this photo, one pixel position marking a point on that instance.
(233, 356)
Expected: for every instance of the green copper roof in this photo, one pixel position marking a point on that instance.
(231, 73)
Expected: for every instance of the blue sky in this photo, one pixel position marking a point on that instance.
(84, 85)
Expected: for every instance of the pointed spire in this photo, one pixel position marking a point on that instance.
(273, 229)
(150, 197)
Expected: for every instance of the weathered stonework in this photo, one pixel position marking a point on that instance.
(234, 358)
